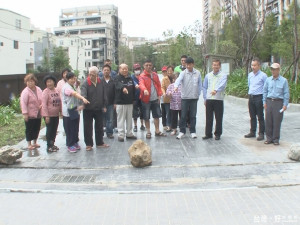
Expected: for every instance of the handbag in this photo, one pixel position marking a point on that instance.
(73, 113)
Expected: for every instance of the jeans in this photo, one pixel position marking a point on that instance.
(190, 104)
(256, 109)
(109, 117)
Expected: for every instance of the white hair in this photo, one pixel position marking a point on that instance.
(94, 69)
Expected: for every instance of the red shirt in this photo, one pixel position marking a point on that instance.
(145, 84)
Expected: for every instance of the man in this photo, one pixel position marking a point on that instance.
(137, 105)
(109, 89)
(275, 99)
(213, 94)
(256, 81)
(182, 67)
(113, 74)
(93, 90)
(124, 97)
(191, 85)
(150, 92)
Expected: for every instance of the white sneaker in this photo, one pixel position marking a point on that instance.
(193, 135)
(180, 135)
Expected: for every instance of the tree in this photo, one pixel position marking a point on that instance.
(125, 55)
(45, 67)
(143, 52)
(59, 60)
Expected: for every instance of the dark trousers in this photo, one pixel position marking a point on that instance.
(163, 115)
(32, 129)
(273, 119)
(174, 118)
(166, 108)
(256, 111)
(108, 118)
(88, 117)
(190, 104)
(72, 130)
(51, 130)
(214, 107)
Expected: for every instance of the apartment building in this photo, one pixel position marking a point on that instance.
(14, 42)
(90, 34)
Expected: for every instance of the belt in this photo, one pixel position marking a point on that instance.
(253, 96)
(275, 99)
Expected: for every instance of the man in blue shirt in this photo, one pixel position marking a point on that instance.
(256, 81)
(275, 99)
(113, 74)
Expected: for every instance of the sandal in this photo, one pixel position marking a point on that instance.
(160, 134)
(148, 135)
(103, 146)
(88, 148)
(51, 149)
(31, 147)
(55, 147)
(36, 145)
(174, 132)
(268, 142)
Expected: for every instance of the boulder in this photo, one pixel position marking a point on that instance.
(294, 152)
(140, 154)
(9, 154)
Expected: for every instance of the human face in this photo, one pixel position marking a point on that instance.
(124, 70)
(275, 72)
(255, 66)
(72, 81)
(164, 73)
(93, 75)
(50, 84)
(106, 72)
(182, 60)
(137, 71)
(148, 67)
(30, 84)
(190, 66)
(170, 71)
(216, 67)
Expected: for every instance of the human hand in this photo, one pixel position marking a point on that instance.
(146, 92)
(125, 91)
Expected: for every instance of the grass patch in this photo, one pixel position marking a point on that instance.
(12, 133)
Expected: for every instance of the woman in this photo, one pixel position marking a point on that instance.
(166, 81)
(63, 80)
(70, 108)
(51, 106)
(31, 103)
(175, 104)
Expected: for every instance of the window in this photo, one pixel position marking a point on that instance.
(1, 43)
(89, 42)
(89, 53)
(16, 45)
(71, 42)
(61, 43)
(18, 24)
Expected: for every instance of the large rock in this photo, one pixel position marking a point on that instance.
(9, 154)
(140, 154)
(294, 152)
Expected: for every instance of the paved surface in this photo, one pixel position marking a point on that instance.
(231, 181)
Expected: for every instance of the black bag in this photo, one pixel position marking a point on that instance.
(73, 113)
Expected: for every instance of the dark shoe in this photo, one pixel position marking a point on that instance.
(268, 142)
(131, 137)
(276, 143)
(250, 135)
(121, 139)
(217, 138)
(110, 136)
(260, 137)
(135, 129)
(206, 137)
(142, 127)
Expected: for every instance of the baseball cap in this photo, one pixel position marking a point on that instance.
(275, 66)
(136, 66)
(164, 68)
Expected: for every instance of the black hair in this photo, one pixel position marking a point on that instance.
(189, 60)
(148, 61)
(217, 60)
(183, 56)
(255, 59)
(64, 70)
(50, 77)
(108, 66)
(70, 75)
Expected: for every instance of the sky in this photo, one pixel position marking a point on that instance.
(140, 18)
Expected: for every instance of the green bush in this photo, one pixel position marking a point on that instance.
(237, 84)
(15, 105)
(7, 115)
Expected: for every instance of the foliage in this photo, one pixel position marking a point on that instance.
(45, 67)
(237, 84)
(227, 48)
(12, 133)
(7, 114)
(59, 60)
(142, 53)
(15, 105)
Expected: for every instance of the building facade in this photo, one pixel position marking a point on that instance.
(14, 42)
(91, 34)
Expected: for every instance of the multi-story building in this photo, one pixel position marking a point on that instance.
(14, 42)
(91, 34)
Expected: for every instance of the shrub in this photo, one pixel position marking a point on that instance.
(237, 84)
(15, 105)
(7, 115)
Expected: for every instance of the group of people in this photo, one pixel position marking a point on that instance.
(107, 98)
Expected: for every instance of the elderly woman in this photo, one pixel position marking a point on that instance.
(31, 103)
(70, 104)
(51, 106)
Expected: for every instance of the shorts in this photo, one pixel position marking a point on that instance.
(137, 110)
(154, 107)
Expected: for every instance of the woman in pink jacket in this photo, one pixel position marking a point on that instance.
(51, 106)
(31, 104)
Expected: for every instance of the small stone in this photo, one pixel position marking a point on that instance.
(9, 155)
(294, 152)
(140, 154)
